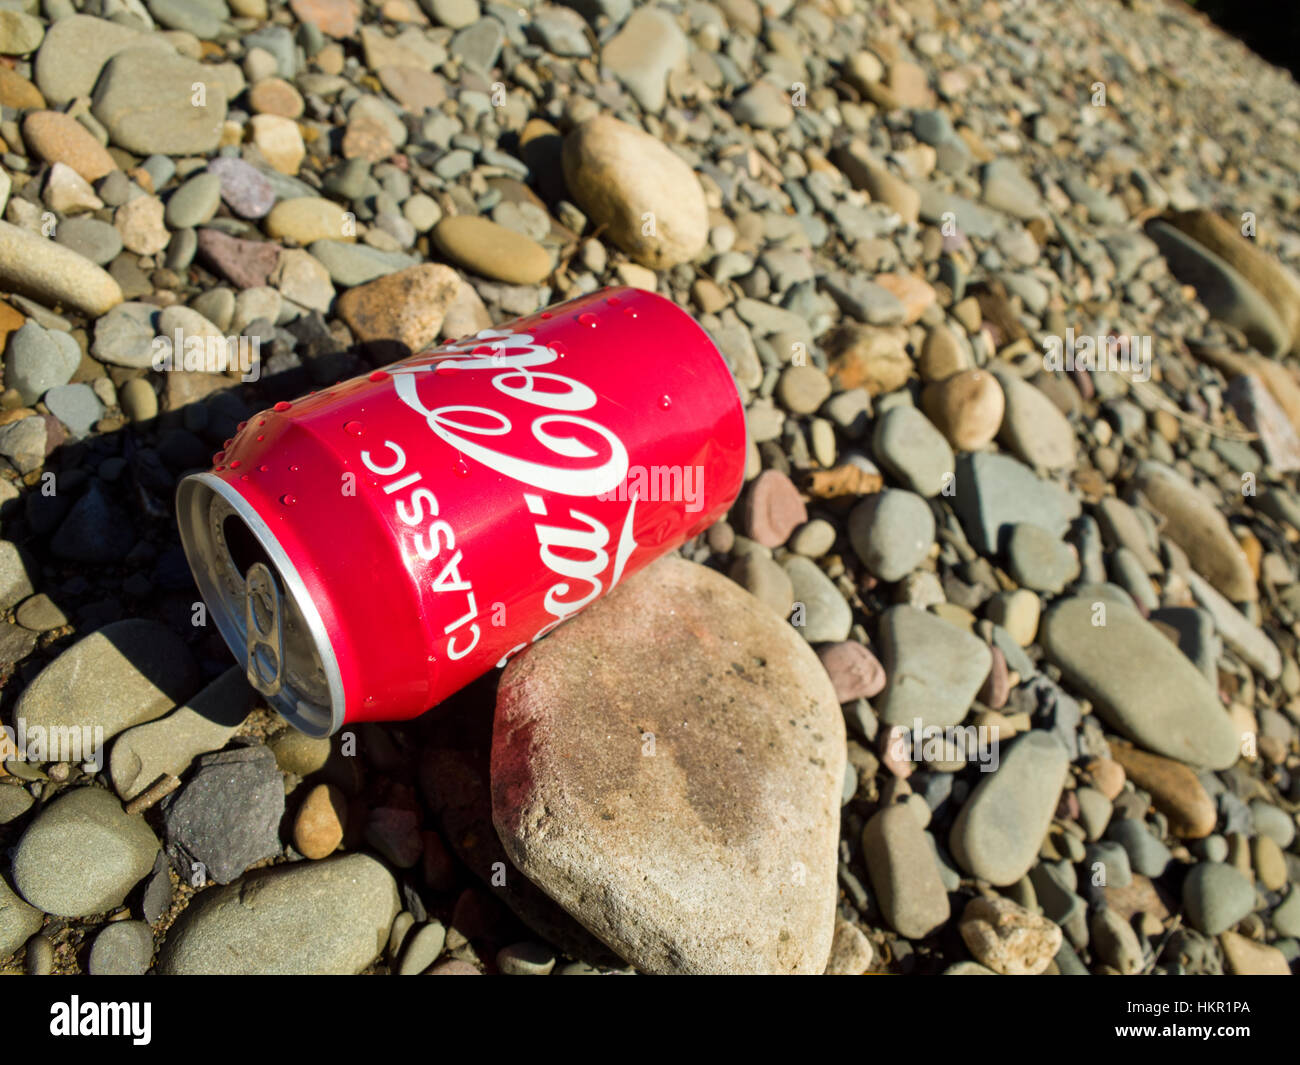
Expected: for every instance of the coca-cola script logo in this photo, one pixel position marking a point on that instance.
(580, 554)
(564, 434)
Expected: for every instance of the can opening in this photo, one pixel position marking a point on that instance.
(260, 604)
(242, 545)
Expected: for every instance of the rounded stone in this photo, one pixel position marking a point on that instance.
(579, 803)
(123, 948)
(310, 918)
(86, 830)
(1039, 561)
(646, 197)
(908, 445)
(309, 218)
(490, 250)
(904, 872)
(966, 407)
(318, 828)
(891, 532)
(802, 389)
(998, 831)
(1216, 896)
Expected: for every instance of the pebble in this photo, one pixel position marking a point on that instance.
(76, 406)
(934, 669)
(1033, 427)
(1007, 938)
(406, 307)
(909, 447)
(129, 671)
(227, 815)
(51, 273)
(147, 102)
(766, 580)
(244, 188)
(904, 872)
(1039, 561)
(641, 54)
(1146, 854)
(422, 948)
(647, 199)
(891, 532)
(37, 360)
(826, 616)
(966, 407)
(87, 830)
(1245, 957)
(854, 671)
(998, 831)
(483, 247)
(205, 723)
(309, 218)
(1216, 897)
(1139, 682)
(995, 492)
(703, 624)
(18, 921)
(123, 948)
(772, 509)
(526, 959)
(320, 823)
(195, 202)
(1115, 943)
(1195, 523)
(802, 389)
(91, 238)
(348, 903)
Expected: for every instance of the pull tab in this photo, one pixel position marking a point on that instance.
(263, 634)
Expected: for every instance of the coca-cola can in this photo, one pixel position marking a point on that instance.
(369, 549)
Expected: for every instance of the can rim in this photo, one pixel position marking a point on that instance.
(191, 495)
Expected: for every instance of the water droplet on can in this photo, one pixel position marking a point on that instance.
(264, 468)
(445, 369)
(353, 428)
(629, 312)
(665, 402)
(220, 456)
(587, 319)
(546, 315)
(219, 468)
(240, 427)
(261, 436)
(378, 375)
(294, 468)
(461, 468)
(613, 301)
(282, 406)
(235, 464)
(288, 499)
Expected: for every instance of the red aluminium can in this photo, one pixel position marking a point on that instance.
(369, 549)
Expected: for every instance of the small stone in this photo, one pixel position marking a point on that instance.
(870, 357)
(146, 100)
(309, 218)
(86, 830)
(280, 142)
(526, 959)
(1007, 938)
(227, 815)
(1115, 943)
(194, 202)
(854, 671)
(934, 668)
(1216, 896)
(53, 274)
(140, 223)
(422, 948)
(244, 188)
(205, 723)
(642, 54)
(966, 407)
(126, 673)
(318, 828)
(406, 307)
(347, 902)
(490, 250)
(997, 833)
(1139, 682)
(891, 532)
(772, 509)
(623, 178)
(18, 921)
(123, 948)
(1033, 427)
(1039, 561)
(821, 612)
(763, 106)
(904, 872)
(1246, 957)
(766, 581)
(60, 138)
(909, 446)
(802, 389)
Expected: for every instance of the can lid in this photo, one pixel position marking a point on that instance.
(260, 604)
